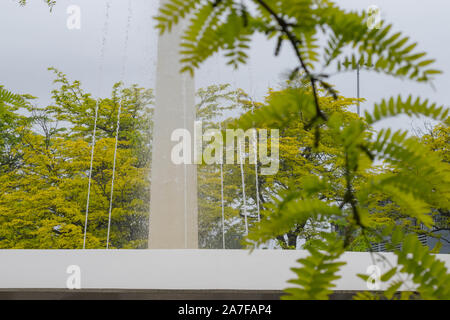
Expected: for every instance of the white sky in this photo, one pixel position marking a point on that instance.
(34, 39)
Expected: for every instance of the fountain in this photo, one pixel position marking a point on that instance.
(156, 274)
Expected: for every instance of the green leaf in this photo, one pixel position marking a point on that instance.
(388, 275)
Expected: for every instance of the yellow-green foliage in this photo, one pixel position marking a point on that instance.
(44, 169)
(319, 270)
(50, 3)
(225, 25)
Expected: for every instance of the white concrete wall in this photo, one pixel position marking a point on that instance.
(169, 269)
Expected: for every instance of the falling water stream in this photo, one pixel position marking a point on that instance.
(222, 198)
(255, 142)
(244, 200)
(100, 80)
(255, 148)
(124, 64)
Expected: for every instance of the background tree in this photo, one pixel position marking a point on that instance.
(43, 199)
(216, 105)
(11, 124)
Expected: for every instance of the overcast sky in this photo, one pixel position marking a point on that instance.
(34, 39)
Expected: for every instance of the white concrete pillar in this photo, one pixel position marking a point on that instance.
(173, 199)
